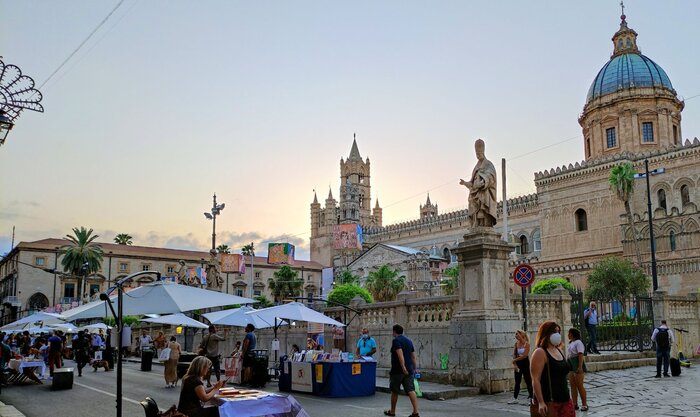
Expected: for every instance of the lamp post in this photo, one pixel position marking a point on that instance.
(5, 126)
(647, 173)
(17, 93)
(119, 319)
(215, 211)
(55, 266)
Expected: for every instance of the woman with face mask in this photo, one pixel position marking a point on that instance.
(550, 371)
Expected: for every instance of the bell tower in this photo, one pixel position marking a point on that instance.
(355, 188)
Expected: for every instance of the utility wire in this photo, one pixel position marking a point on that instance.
(65, 61)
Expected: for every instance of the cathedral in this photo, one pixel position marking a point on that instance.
(632, 114)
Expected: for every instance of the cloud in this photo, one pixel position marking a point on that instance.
(16, 209)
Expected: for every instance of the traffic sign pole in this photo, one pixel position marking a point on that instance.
(524, 276)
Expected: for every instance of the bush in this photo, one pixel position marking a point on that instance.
(546, 286)
(616, 278)
(343, 294)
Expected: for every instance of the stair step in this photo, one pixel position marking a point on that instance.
(434, 392)
(620, 364)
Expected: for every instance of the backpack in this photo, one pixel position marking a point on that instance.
(662, 339)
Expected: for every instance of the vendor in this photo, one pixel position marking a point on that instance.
(366, 346)
(311, 344)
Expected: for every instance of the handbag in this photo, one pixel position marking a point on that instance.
(534, 408)
(164, 355)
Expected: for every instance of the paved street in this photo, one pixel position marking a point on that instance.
(612, 393)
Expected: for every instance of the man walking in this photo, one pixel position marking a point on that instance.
(590, 316)
(55, 349)
(366, 346)
(403, 366)
(663, 337)
(210, 344)
(249, 343)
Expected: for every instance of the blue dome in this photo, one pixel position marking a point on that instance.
(628, 71)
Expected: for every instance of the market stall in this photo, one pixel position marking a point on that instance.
(329, 375)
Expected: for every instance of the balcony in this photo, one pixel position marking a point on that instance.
(12, 300)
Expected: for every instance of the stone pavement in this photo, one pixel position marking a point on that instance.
(626, 392)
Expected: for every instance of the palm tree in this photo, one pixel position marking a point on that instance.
(248, 250)
(223, 249)
(286, 283)
(123, 239)
(621, 180)
(385, 283)
(81, 256)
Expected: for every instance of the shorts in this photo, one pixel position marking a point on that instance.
(397, 380)
(248, 360)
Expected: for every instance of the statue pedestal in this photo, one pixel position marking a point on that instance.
(483, 330)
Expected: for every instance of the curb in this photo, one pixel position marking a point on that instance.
(9, 411)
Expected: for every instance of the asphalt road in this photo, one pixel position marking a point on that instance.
(93, 394)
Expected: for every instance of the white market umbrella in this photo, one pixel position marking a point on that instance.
(46, 318)
(177, 319)
(95, 328)
(65, 327)
(292, 311)
(237, 317)
(163, 297)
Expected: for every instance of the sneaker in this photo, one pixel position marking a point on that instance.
(666, 375)
(657, 376)
(513, 401)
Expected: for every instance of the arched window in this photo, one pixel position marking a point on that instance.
(672, 240)
(661, 194)
(581, 220)
(524, 247)
(536, 241)
(685, 195)
(37, 301)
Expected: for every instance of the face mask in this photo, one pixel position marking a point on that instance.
(555, 339)
(365, 336)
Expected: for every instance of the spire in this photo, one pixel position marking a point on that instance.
(330, 194)
(625, 39)
(427, 202)
(315, 198)
(354, 151)
(376, 205)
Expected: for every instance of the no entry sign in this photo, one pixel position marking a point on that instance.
(524, 275)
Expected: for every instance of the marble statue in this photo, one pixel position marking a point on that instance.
(482, 190)
(214, 279)
(182, 277)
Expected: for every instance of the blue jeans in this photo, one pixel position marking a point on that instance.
(593, 338)
(665, 356)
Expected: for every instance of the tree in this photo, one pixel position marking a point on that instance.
(223, 249)
(452, 281)
(385, 283)
(546, 286)
(261, 302)
(286, 283)
(621, 180)
(347, 277)
(344, 293)
(81, 256)
(123, 239)
(616, 278)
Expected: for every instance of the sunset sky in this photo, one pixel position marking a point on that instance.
(171, 101)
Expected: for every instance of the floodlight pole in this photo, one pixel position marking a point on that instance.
(650, 218)
(119, 318)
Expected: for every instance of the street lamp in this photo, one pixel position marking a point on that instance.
(647, 173)
(215, 211)
(17, 93)
(5, 126)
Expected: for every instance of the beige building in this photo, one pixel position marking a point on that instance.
(24, 286)
(632, 113)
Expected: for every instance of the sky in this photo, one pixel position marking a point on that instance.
(172, 101)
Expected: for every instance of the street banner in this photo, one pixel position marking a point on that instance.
(326, 282)
(280, 253)
(232, 262)
(347, 236)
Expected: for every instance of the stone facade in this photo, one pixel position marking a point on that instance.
(574, 220)
(25, 288)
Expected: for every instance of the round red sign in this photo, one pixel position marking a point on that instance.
(524, 275)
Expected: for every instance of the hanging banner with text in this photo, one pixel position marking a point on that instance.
(347, 236)
(232, 262)
(280, 253)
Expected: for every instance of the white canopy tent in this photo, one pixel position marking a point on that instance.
(95, 328)
(292, 311)
(177, 319)
(45, 318)
(65, 327)
(237, 317)
(162, 297)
